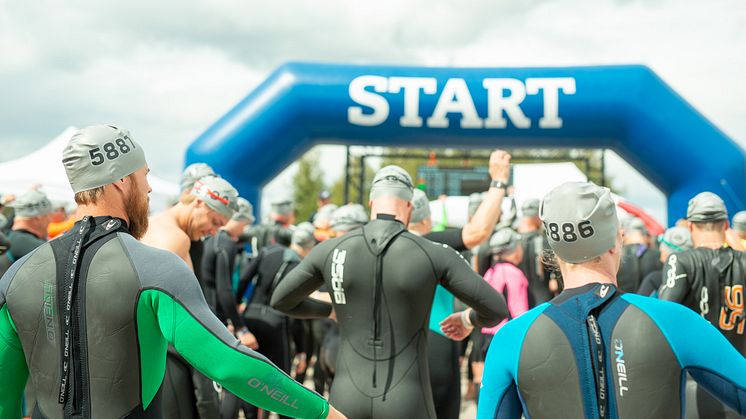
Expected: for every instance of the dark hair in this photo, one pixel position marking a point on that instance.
(710, 225)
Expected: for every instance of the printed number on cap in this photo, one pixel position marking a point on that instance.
(110, 150)
(567, 231)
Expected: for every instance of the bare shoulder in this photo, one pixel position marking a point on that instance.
(164, 233)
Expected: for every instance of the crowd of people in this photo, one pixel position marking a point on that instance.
(553, 309)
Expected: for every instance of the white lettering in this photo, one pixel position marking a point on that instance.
(551, 87)
(338, 260)
(361, 96)
(497, 103)
(455, 98)
(412, 87)
(621, 367)
(504, 99)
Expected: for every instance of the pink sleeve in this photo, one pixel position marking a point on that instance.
(517, 294)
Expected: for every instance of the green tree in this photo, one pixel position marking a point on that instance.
(338, 187)
(307, 183)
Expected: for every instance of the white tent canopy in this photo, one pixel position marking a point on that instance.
(44, 167)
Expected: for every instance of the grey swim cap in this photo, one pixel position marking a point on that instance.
(282, 205)
(706, 207)
(530, 207)
(193, 173)
(475, 200)
(420, 207)
(349, 217)
(325, 213)
(676, 239)
(504, 240)
(31, 204)
(303, 236)
(635, 224)
(99, 155)
(580, 221)
(245, 212)
(739, 221)
(392, 181)
(218, 194)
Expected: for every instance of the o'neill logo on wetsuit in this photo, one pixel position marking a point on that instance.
(504, 98)
(273, 393)
(48, 309)
(338, 275)
(621, 366)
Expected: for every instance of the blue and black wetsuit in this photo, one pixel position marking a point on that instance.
(593, 353)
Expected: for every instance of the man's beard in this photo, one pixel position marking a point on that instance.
(136, 207)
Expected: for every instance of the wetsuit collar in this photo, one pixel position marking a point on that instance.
(387, 217)
(586, 298)
(97, 221)
(21, 230)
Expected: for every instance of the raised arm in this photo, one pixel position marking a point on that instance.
(481, 226)
(291, 294)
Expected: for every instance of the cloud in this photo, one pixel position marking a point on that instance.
(167, 70)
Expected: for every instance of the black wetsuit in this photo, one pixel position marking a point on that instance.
(125, 302)
(710, 282)
(21, 242)
(218, 260)
(263, 235)
(382, 280)
(534, 244)
(593, 352)
(637, 262)
(651, 283)
(271, 328)
(443, 353)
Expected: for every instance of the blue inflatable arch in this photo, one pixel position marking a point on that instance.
(628, 109)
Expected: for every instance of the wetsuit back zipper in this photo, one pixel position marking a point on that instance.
(598, 364)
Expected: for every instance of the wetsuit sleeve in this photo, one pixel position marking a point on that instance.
(12, 366)
(700, 349)
(291, 294)
(458, 278)
(453, 237)
(172, 303)
(675, 282)
(223, 273)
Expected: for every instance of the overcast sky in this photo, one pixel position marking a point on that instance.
(168, 69)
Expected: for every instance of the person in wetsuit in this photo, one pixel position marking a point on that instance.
(639, 259)
(710, 280)
(675, 239)
(29, 229)
(382, 279)
(94, 346)
(218, 261)
(594, 352)
(272, 329)
(506, 278)
(189, 177)
(326, 331)
(443, 353)
(534, 243)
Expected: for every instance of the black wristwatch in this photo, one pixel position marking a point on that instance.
(499, 184)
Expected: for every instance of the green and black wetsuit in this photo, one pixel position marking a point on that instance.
(382, 280)
(125, 302)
